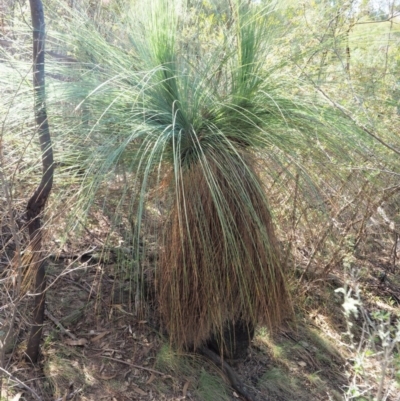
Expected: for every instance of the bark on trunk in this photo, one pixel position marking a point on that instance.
(38, 200)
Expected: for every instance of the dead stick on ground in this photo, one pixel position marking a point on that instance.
(232, 376)
(135, 366)
(59, 325)
(21, 384)
(69, 396)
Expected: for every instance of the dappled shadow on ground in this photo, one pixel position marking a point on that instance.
(94, 348)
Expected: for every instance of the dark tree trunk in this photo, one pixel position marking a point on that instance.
(38, 200)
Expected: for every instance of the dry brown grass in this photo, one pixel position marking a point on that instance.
(221, 261)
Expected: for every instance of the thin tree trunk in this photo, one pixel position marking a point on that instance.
(38, 200)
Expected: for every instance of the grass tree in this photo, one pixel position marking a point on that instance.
(187, 97)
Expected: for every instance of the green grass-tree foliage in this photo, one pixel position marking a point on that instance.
(185, 97)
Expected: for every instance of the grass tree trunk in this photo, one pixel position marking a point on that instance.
(38, 200)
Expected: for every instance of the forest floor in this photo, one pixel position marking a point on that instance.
(95, 348)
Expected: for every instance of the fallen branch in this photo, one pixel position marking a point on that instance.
(59, 325)
(35, 395)
(135, 366)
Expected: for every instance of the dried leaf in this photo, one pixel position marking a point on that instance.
(235, 394)
(151, 379)
(185, 388)
(121, 309)
(98, 337)
(79, 341)
(104, 377)
(139, 390)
